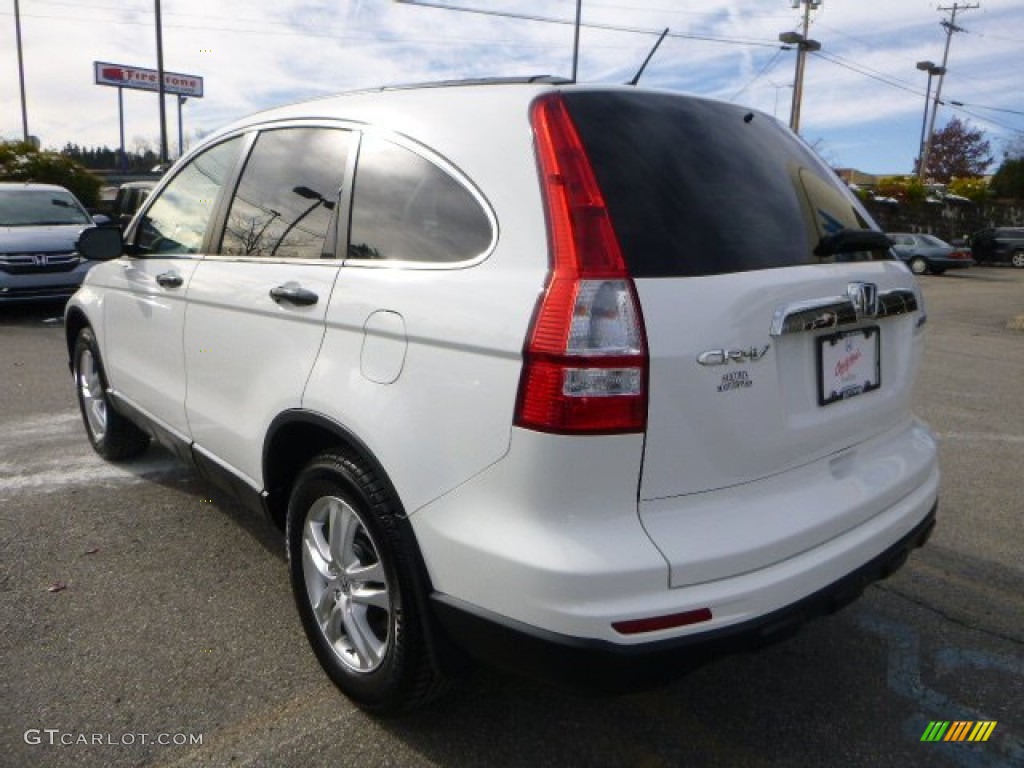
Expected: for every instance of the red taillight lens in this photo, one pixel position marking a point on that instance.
(585, 360)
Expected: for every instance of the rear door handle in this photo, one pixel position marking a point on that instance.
(169, 279)
(294, 293)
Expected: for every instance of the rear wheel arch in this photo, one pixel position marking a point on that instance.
(293, 440)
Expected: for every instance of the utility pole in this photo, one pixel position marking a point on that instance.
(951, 27)
(803, 46)
(21, 72)
(576, 39)
(160, 85)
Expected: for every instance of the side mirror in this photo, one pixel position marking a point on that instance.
(100, 243)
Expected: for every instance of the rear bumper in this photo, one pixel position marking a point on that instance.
(594, 664)
(951, 263)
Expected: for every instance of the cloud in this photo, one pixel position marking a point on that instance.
(257, 55)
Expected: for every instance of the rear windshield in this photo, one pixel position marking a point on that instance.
(698, 187)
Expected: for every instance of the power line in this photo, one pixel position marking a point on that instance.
(894, 83)
(860, 69)
(761, 72)
(589, 25)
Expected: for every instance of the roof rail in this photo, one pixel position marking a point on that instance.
(514, 80)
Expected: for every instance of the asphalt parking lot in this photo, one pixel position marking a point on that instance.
(144, 612)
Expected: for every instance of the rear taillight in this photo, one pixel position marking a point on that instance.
(585, 359)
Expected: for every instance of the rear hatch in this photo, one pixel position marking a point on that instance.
(764, 355)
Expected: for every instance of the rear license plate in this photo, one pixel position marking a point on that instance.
(849, 364)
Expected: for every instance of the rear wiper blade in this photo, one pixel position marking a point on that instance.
(849, 240)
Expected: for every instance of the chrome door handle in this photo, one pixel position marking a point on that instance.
(294, 293)
(169, 279)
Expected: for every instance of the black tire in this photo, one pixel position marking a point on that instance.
(1017, 259)
(112, 436)
(370, 637)
(918, 265)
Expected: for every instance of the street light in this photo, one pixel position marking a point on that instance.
(932, 70)
(308, 194)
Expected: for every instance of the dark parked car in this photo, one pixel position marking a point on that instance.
(39, 225)
(926, 253)
(997, 244)
(130, 196)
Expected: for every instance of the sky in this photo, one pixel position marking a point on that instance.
(862, 108)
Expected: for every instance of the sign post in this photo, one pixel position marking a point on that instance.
(122, 76)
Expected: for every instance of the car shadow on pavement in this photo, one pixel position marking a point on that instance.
(158, 465)
(46, 312)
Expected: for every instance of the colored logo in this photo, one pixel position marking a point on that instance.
(958, 730)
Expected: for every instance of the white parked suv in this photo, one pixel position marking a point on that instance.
(587, 381)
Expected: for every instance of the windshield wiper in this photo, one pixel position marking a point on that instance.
(850, 240)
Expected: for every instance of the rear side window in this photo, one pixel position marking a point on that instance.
(287, 196)
(177, 221)
(697, 187)
(405, 208)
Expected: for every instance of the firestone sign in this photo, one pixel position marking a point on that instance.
(122, 76)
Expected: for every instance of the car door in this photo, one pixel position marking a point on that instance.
(255, 319)
(144, 307)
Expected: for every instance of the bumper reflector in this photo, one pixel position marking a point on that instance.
(636, 626)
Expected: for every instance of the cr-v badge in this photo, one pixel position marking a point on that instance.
(726, 356)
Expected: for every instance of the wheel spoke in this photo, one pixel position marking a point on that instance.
(342, 529)
(316, 549)
(367, 647)
(362, 574)
(375, 596)
(323, 607)
(332, 627)
(99, 412)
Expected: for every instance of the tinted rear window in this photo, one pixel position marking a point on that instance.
(698, 187)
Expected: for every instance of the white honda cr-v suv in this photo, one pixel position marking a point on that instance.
(591, 382)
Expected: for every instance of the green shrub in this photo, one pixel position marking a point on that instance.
(20, 161)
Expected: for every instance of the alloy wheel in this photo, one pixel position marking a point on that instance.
(90, 389)
(345, 584)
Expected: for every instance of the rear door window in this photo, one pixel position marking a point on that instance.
(288, 194)
(696, 187)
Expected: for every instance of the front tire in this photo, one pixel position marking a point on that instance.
(357, 587)
(112, 436)
(1017, 259)
(918, 265)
